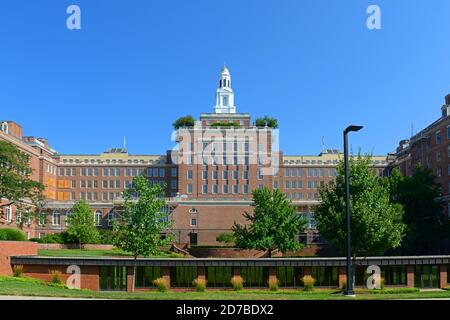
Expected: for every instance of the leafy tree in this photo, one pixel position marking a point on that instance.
(186, 121)
(421, 197)
(15, 181)
(274, 224)
(82, 227)
(142, 221)
(266, 121)
(376, 222)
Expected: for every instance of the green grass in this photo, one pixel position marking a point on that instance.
(95, 253)
(34, 287)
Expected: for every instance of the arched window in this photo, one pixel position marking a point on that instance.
(56, 218)
(110, 218)
(98, 218)
(4, 127)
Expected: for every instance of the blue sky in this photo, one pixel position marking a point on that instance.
(135, 66)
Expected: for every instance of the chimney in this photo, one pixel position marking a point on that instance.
(447, 99)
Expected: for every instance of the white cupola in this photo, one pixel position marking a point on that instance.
(224, 94)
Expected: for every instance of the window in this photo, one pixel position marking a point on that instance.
(260, 175)
(173, 183)
(42, 219)
(330, 172)
(215, 188)
(189, 188)
(293, 172)
(110, 218)
(8, 214)
(321, 172)
(315, 172)
(118, 184)
(68, 214)
(225, 175)
(189, 174)
(438, 137)
(439, 172)
(83, 171)
(173, 172)
(309, 172)
(162, 172)
(105, 172)
(89, 171)
(56, 219)
(236, 188)
(287, 172)
(98, 218)
(193, 222)
(225, 189)
(438, 155)
(18, 216)
(117, 172)
(205, 175)
(275, 184)
(245, 175)
(245, 188)
(235, 175)
(216, 174)
(288, 184)
(205, 188)
(299, 172)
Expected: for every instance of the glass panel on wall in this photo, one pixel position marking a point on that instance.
(146, 275)
(290, 276)
(361, 276)
(113, 278)
(393, 275)
(325, 276)
(219, 276)
(426, 276)
(182, 276)
(255, 276)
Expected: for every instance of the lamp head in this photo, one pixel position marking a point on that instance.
(352, 128)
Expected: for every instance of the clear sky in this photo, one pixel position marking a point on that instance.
(135, 66)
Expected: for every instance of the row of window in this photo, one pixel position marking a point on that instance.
(116, 172)
(310, 172)
(294, 184)
(225, 189)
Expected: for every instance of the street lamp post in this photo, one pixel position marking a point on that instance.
(349, 288)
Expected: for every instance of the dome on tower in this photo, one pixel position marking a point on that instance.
(225, 70)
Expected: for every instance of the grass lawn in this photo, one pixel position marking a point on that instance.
(95, 253)
(34, 287)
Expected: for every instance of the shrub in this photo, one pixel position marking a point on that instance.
(53, 238)
(273, 284)
(199, 284)
(18, 270)
(36, 240)
(56, 277)
(8, 234)
(237, 282)
(186, 121)
(162, 284)
(308, 283)
(227, 238)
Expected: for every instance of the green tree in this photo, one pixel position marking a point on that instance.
(16, 184)
(186, 121)
(266, 121)
(421, 197)
(82, 227)
(143, 221)
(376, 222)
(273, 225)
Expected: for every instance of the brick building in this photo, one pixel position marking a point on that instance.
(429, 147)
(209, 175)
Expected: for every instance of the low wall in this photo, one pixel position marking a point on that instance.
(14, 248)
(56, 246)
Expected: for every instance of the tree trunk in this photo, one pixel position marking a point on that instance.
(134, 274)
